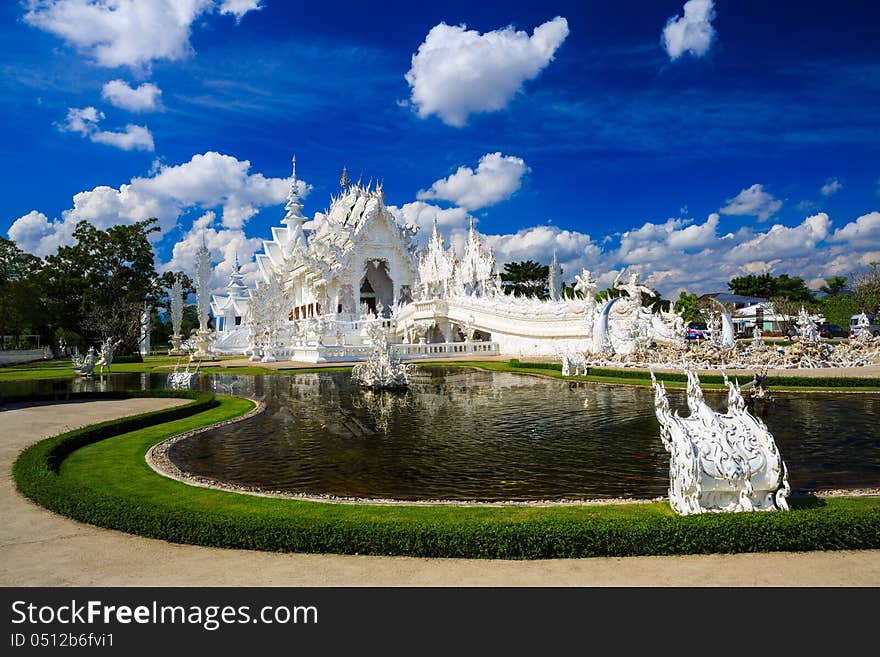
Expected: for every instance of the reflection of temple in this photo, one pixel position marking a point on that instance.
(327, 279)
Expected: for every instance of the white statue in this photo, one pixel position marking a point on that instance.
(84, 365)
(719, 462)
(183, 379)
(105, 358)
(381, 371)
(863, 326)
(203, 299)
(807, 329)
(176, 316)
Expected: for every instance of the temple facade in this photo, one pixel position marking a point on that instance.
(326, 281)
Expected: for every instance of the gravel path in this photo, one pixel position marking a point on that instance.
(39, 548)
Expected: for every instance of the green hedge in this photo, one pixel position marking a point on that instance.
(172, 511)
(680, 377)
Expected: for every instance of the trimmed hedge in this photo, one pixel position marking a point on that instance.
(184, 514)
(680, 377)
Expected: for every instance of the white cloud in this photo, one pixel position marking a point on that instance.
(134, 137)
(457, 72)
(206, 181)
(239, 8)
(128, 32)
(864, 231)
(831, 186)
(692, 32)
(422, 214)
(754, 202)
(223, 243)
(496, 179)
(143, 98)
(85, 121)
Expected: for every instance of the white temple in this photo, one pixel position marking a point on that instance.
(322, 287)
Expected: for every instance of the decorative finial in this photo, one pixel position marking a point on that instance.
(344, 182)
(294, 166)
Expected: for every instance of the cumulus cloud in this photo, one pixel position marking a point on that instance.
(692, 32)
(85, 121)
(496, 179)
(143, 98)
(422, 214)
(224, 244)
(457, 72)
(128, 32)
(207, 181)
(831, 186)
(864, 231)
(754, 202)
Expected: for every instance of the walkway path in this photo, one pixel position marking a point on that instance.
(39, 548)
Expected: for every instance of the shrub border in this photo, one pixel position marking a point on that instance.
(247, 522)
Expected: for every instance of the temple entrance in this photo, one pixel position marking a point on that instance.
(377, 286)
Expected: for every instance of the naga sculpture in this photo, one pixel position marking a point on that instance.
(719, 462)
(183, 379)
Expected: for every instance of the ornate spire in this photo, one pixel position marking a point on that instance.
(554, 279)
(344, 182)
(236, 286)
(293, 205)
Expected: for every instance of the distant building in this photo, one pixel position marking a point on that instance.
(736, 300)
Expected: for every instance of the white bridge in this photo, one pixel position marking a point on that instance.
(516, 325)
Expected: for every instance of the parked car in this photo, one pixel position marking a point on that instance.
(873, 325)
(697, 331)
(832, 331)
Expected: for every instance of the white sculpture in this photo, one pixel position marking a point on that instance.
(183, 379)
(863, 326)
(807, 329)
(719, 462)
(381, 371)
(203, 300)
(105, 357)
(84, 365)
(176, 316)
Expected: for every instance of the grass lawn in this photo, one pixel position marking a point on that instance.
(59, 369)
(106, 481)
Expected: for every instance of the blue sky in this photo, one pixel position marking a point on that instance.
(747, 141)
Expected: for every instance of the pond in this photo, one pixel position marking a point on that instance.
(464, 434)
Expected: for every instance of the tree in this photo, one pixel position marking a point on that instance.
(866, 287)
(688, 306)
(526, 279)
(21, 302)
(97, 287)
(768, 287)
(834, 286)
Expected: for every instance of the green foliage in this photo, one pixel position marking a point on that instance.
(768, 287)
(21, 308)
(96, 287)
(834, 286)
(839, 309)
(526, 279)
(688, 306)
(98, 475)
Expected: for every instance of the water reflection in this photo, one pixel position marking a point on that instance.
(465, 434)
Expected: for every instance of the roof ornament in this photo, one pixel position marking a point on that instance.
(344, 182)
